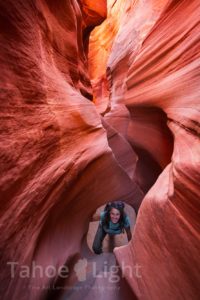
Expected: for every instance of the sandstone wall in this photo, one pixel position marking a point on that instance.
(153, 101)
(55, 157)
(67, 147)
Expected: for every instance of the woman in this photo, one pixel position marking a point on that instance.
(113, 220)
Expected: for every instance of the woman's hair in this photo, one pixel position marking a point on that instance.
(119, 205)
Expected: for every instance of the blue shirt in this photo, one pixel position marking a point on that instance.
(114, 228)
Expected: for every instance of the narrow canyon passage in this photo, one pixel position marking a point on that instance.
(99, 103)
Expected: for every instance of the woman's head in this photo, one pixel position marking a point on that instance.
(115, 212)
(114, 215)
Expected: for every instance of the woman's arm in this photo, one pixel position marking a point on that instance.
(128, 232)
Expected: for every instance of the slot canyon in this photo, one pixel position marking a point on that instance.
(100, 102)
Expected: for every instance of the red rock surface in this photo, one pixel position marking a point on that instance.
(153, 73)
(63, 155)
(55, 157)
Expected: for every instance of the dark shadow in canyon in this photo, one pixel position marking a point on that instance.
(152, 141)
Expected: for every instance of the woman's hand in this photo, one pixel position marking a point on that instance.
(96, 217)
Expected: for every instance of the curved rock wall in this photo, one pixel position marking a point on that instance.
(55, 157)
(58, 148)
(166, 74)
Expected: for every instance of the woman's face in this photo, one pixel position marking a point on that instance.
(114, 215)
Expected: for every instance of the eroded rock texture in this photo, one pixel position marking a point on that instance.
(56, 164)
(153, 74)
(64, 155)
